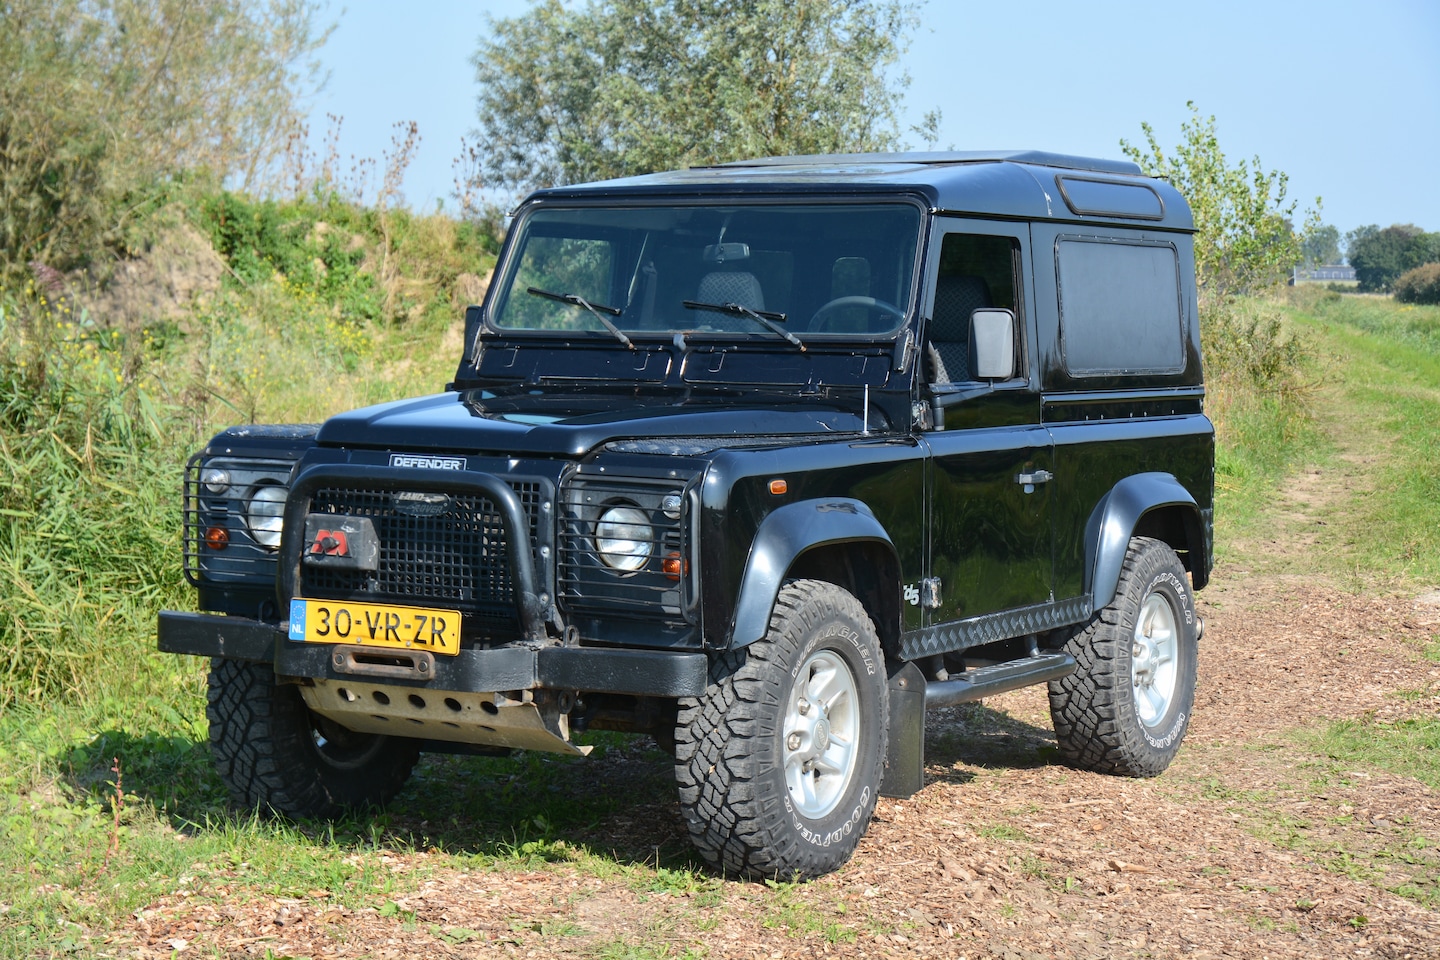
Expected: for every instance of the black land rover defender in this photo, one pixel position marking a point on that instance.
(763, 460)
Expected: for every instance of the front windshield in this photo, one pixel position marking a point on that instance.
(768, 270)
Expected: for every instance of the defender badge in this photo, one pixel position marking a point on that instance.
(421, 462)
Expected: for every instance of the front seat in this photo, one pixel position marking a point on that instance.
(732, 286)
(948, 352)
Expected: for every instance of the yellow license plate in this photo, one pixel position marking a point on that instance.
(375, 625)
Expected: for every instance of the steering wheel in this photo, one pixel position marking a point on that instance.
(828, 313)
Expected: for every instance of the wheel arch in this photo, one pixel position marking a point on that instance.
(836, 539)
(1148, 505)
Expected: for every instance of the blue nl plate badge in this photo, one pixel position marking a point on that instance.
(297, 619)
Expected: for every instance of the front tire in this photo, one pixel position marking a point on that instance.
(779, 763)
(1126, 708)
(274, 754)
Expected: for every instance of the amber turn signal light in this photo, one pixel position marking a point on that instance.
(674, 566)
(216, 538)
(778, 487)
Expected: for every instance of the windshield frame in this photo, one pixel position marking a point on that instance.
(502, 287)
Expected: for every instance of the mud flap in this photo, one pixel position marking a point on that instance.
(905, 759)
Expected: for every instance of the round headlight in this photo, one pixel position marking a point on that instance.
(265, 514)
(623, 538)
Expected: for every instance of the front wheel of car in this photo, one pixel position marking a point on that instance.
(1127, 707)
(778, 764)
(276, 755)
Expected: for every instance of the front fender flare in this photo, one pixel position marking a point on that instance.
(1113, 521)
(783, 536)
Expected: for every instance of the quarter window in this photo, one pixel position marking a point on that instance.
(1119, 307)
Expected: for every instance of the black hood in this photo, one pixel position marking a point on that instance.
(540, 423)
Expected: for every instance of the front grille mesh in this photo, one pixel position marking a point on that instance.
(457, 558)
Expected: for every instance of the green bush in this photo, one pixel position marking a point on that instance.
(1249, 347)
(1421, 285)
(365, 264)
(295, 242)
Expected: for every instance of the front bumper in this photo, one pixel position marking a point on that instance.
(649, 673)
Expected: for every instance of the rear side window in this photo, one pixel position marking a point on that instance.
(1119, 307)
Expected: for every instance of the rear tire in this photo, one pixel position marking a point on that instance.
(273, 753)
(1126, 708)
(779, 763)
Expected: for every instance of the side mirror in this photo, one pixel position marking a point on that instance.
(993, 343)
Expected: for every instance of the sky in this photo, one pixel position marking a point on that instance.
(1343, 97)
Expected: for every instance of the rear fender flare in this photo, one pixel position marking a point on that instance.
(1113, 521)
(785, 535)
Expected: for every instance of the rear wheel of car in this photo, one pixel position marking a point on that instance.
(274, 754)
(1127, 707)
(779, 763)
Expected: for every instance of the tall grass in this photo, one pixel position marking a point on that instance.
(1260, 379)
(90, 449)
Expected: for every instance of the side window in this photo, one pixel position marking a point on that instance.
(975, 271)
(1119, 307)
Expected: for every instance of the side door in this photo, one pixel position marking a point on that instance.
(988, 497)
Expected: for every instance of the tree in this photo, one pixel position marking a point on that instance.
(101, 99)
(622, 87)
(1243, 241)
(1322, 246)
(1381, 256)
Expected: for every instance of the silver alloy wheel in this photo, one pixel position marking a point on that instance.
(1153, 658)
(821, 733)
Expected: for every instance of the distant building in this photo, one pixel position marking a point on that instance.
(1329, 273)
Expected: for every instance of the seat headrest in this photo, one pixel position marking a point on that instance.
(736, 286)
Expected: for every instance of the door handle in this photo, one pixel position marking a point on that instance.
(1035, 477)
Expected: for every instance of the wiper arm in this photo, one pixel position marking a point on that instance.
(763, 317)
(597, 310)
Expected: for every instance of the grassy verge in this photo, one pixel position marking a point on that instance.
(1260, 380)
(1386, 362)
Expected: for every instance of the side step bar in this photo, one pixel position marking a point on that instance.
(996, 679)
(911, 695)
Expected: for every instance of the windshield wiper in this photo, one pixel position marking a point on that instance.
(763, 317)
(597, 310)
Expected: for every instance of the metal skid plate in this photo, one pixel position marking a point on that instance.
(482, 718)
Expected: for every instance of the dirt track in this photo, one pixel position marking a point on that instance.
(1004, 853)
